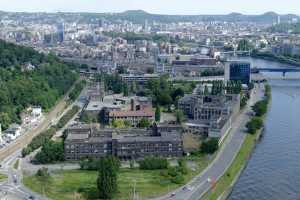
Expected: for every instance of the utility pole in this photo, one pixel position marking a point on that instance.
(134, 187)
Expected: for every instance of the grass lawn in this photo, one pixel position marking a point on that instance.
(225, 181)
(66, 185)
(16, 165)
(2, 177)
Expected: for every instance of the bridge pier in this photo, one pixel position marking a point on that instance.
(283, 74)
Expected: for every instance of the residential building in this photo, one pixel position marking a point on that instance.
(132, 116)
(84, 142)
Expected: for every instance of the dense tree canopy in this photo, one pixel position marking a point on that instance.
(20, 87)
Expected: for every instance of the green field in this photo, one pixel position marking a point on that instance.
(16, 165)
(226, 180)
(2, 177)
(69, 185)
(64, 185)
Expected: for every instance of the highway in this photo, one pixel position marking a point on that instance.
(201, 183)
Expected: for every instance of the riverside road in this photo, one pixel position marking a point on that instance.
(225, 157)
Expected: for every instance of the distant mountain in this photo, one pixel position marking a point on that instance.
(139, 16)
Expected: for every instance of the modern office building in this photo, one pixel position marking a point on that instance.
(86, 142)
(61, 32)
(238, 71)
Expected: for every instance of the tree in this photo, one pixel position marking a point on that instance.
(177, 92)
(179, 116)
(107, 177)
(260, 107)
(164, 98)
(125, 90)
(157, 114)
(254, 124)
(144, 123)
(51, 151)
(210, 146)
(244, 45)
(150, 70)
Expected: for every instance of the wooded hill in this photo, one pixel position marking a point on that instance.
(43, 83)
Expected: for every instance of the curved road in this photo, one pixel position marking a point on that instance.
(200, 184)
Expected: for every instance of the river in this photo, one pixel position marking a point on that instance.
(273, 171)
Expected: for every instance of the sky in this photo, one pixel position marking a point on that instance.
(155, 6)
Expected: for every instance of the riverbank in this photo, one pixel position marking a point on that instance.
(222, 188)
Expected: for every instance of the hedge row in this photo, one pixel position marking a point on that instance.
(45, 136)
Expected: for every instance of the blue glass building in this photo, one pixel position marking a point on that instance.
(238, 71)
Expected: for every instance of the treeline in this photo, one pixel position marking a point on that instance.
(163, 92)
(153, 163)
(231, 87)
(213, 72)
(74, 94)
(285, 28)
(131, 36)
(20, 88)
(260, 109)
(44, 137)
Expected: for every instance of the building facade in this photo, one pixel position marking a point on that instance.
(125, 144)
(210, 115)
(238, 71)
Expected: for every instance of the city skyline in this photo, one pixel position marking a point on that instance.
(187, 7)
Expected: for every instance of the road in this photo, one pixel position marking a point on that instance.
(201, 184)
(12, 188)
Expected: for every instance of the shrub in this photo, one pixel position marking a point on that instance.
(254, 124)
(210, 146)
(89, 164)
(43, 172)
(152, 163)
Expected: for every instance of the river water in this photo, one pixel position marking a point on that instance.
(273, 171)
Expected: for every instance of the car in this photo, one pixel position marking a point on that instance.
(31, 198)
(173, 194)
(188, 188)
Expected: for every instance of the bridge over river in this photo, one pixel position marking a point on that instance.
(283, 70)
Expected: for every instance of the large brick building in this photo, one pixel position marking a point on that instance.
(86, 142)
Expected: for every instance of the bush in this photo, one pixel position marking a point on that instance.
(89, 164)
(152, 163)
(254, 124)
(77, 90)
(67, 117)
(144, 123)
(175, 175)
(43, 172)
(178, 179)
(88, 118)
(260, 108)
(38, 141)
(210, 146)
(183, 166)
